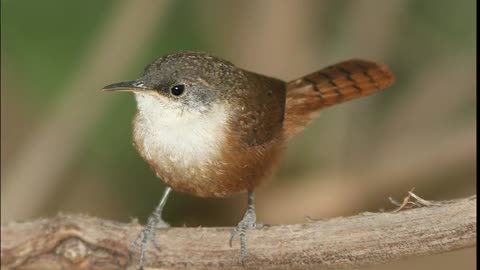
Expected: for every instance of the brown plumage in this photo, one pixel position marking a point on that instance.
(235, 152)
(329, 86)
(211, 129)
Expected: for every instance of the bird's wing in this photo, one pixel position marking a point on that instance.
(262, 120)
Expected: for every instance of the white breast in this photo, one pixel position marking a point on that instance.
(185, 137)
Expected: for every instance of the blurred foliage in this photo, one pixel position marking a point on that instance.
(43, 42)
(431, 48)
(46, 40)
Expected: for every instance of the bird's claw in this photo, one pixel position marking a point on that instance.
(147, 234)
(247, 222)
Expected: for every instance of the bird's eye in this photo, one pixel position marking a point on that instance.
(177, 90)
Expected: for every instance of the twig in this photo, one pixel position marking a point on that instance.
(408, 203)
(421, 201)
(82, 242)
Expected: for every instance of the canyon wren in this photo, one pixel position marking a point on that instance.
(211, 129)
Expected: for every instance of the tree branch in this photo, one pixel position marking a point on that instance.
(82, 242)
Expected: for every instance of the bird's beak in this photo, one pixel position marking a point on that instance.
(131, 86)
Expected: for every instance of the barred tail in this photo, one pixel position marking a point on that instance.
(332, 85)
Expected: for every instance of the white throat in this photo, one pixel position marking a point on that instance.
(168, 131)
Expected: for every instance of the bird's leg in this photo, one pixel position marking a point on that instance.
(247, 222)
(154, 222)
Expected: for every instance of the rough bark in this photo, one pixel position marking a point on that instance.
(82, 242)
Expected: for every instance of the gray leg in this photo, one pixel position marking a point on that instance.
(247, 222)
(154, 222)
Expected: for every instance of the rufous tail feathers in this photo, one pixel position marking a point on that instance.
(332, 85)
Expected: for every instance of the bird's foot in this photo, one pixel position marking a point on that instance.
(147, 234)
(248, 222)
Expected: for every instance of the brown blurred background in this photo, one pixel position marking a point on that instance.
(66, 146)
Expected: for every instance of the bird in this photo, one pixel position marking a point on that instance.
(211, 129)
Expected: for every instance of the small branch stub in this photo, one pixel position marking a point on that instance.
(82, 242)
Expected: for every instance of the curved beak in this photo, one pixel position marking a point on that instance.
(131, 86)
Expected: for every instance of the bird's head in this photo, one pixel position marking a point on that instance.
(184, 84)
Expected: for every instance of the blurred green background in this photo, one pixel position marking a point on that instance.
(66, 146)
